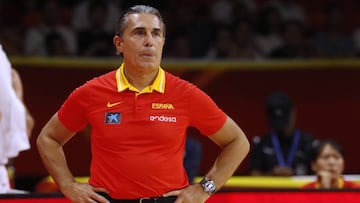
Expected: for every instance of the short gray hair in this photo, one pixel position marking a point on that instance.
(124, 18)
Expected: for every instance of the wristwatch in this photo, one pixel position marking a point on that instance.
(208, 185)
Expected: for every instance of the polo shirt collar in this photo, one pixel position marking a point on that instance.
(340, 183)
(123, 84)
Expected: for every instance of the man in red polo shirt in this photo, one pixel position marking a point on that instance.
(139, 114)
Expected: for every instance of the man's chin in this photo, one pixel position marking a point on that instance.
(149, 64)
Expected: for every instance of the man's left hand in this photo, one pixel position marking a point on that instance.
(191, 194)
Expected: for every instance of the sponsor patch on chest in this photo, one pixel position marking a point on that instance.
(112, 118)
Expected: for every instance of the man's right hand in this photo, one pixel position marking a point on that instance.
(84, 193)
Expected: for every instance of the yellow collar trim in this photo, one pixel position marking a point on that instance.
(340, 183)
(123, 84)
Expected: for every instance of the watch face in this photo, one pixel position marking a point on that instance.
(209, 186)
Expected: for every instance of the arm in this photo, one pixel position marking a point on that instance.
(17, 84)
(235, 146)
(18, 88)
(50, 145)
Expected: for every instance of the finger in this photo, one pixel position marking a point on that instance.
(178, 200)
(92, 201)
(98, 198)
(172, 193)
(100, 189)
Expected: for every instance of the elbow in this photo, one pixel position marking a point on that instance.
(44, 141)
(245, 144)
(40, 142)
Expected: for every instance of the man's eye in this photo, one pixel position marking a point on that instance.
(139, 32)
(157, 33)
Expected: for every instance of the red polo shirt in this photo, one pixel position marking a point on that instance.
(138, 137)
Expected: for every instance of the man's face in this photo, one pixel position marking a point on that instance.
(142, 42)
(329, 160)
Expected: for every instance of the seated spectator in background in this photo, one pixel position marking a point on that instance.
(246, 48)
(289, 10)
(179, 48)
(192, 158)
(244, 10)
(55, 45)
(268, 35)
(295, 42)
(356, 39)
(284, 151)
(226, 15)
(95, 40)
(327, 161)
(200, 33)
(332, 41)
(223, 46)
(35, 37)
(81, 21)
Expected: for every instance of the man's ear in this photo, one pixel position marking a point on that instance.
(118, 44)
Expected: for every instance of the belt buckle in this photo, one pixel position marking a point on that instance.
(142, 200)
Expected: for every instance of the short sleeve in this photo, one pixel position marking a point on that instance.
(205, 115)
(72, 113)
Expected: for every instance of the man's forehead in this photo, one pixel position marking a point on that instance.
(144, 20)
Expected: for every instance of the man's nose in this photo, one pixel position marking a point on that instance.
(149, 40)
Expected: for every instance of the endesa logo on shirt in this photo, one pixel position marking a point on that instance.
(162, 118)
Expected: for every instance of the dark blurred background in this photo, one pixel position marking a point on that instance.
(238, 51)
(237, 29)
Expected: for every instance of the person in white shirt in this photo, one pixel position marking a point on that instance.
(14, 134)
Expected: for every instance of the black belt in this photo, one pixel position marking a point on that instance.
(170, 199)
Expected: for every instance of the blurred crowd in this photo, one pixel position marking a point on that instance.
(203, 29)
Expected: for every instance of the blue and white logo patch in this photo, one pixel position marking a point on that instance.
(112, 118)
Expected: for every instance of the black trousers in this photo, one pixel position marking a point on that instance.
(143, 200)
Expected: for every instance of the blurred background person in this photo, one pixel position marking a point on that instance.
(333, 40)
(284, 151)
(225, 17)
(244, 39)
(192, 158)
(289, 10)
(223, 46)
(14, 129)
(30, 122)
(54, 44)
(328, 163)
(268, 35)
(356, 39)
(82, 9)
(296, 42)
(94, 40)
(180, 48)
(50, 22)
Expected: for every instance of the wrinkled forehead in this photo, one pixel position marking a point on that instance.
(144, 20)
